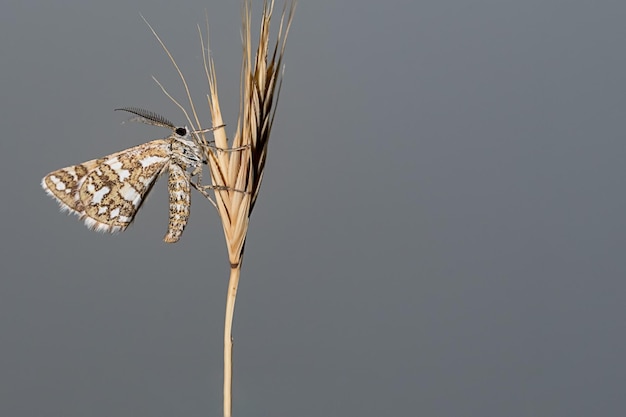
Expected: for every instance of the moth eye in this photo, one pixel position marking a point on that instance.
(181, 131)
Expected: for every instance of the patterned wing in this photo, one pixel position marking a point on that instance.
(64, 183)
(107, 192)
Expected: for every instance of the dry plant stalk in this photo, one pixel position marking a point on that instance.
(237, 170)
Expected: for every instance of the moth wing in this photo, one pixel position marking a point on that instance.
(63, 185)
(107, 192)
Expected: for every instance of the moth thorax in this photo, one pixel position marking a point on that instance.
(186, 152)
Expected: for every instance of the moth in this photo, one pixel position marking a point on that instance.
(107, 193)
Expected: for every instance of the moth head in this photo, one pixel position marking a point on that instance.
(182, 132)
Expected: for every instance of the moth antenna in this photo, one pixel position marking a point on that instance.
(148, 117)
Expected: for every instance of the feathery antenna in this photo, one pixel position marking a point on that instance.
(148, 117)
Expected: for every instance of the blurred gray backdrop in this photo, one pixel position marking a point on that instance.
(441, 228)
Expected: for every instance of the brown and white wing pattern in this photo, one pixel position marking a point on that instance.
(106, 193)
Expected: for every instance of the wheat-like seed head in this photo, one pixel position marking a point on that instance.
(260, 88)
(237, 170)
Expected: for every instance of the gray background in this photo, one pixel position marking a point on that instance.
(441, 229)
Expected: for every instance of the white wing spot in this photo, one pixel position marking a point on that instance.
(149, 160)
(124, 219)
(116, 166)
(128, 193)
(99, 195)
(114, 213)
(58, 184)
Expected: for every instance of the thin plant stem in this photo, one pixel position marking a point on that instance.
(231, 297)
